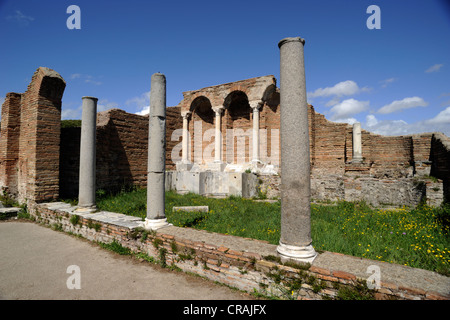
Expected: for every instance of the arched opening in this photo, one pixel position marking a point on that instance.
(238, 124)
(201, 107)
(201, 122)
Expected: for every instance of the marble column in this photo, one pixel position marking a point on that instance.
(255, 105)
(185, 150)
(295, 241)
(86, 191)
(156, 167)
(185, 163)
(357, 145)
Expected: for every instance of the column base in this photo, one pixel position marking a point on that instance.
(154, 224)
(184, 166)
(86, 209)
(356, 160)
(305, 254)
(217, 166)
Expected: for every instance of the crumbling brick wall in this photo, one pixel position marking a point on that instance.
(440, 159)
(9, 142)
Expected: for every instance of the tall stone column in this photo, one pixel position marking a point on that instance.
(86, 191)
(255, 105)
(295, 241)
(357, 145)
(156, 167)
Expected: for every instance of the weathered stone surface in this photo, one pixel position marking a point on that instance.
(295, 240)
(87, 186)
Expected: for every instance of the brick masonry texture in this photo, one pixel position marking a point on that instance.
(242, 263)
(30, 138)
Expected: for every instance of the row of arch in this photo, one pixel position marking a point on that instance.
(237, 112)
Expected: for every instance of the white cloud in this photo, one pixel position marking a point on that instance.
(371, 120)
(70, 114)
(144, 111)
(20, 18)
(386, 82)
(406, 103)
(434, 68)
(86, 77)
(347, 120)
(140, 103)
(443, 117)
(97, 83)
(347, 108)
(440, 123)
(2, 100)
(104, 105)
(344, 88)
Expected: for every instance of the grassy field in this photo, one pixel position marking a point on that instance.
(417, 238)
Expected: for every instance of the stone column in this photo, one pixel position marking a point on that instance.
(218, 136)
(86, 191)
(295, 241)
(185, 163)
(156, 167)
(185, 150)
(218, 164)
(255, 105)
(357, 146)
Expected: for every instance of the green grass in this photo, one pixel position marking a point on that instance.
(417, 238)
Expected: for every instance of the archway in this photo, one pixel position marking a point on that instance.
(238, 125)
(202, 120)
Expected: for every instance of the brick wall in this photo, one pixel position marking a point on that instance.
(122, 140)
(9, 142)
(32, 138)
(440, 158)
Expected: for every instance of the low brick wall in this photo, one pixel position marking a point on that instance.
(376, 192)
(243, 263)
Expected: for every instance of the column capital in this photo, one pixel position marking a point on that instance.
(218, 109)
(291, 39)
(255, 104)
(185, 114)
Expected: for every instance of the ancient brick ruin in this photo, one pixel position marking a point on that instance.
(30, 139)
(39, 161)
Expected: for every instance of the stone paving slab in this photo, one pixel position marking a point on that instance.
(8, 213)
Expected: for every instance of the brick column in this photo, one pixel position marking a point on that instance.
(295, 241)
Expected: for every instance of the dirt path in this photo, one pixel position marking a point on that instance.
(34, 261)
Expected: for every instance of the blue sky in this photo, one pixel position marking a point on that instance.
(394, 80)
